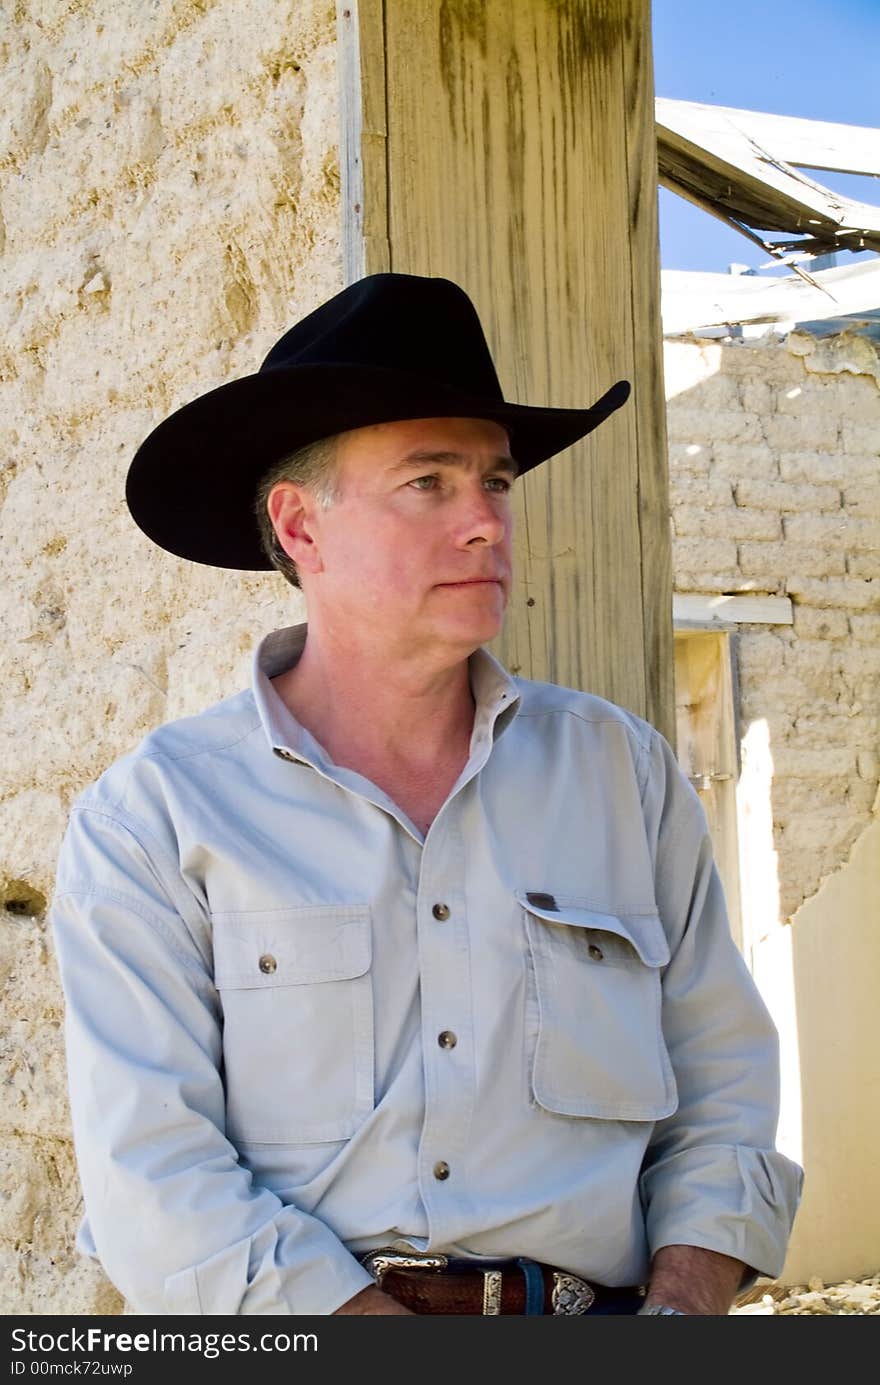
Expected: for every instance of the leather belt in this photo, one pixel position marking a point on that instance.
(436, 1283)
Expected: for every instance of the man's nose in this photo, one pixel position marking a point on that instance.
(483, 519)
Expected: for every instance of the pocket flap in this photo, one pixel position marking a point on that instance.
(643, 932)
(292, 947)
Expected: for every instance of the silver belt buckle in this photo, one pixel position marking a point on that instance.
(570, 1294)
(386, 1258)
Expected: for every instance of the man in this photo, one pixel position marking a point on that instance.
(397, 984)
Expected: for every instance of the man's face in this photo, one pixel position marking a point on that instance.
(417, 547)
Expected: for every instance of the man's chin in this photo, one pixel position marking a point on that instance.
(469, 614)
(474, 631)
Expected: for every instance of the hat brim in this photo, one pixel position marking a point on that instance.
(192, 483)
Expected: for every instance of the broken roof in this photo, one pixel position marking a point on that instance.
(745, 167)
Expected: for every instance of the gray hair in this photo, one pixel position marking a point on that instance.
(313, 466)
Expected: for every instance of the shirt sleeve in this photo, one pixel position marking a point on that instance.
(712, 1176)
(178, 1224)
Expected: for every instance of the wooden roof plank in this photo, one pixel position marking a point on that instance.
(729, 157)
(692, 301)
(816, 144)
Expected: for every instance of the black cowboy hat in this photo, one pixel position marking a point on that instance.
(388, 347)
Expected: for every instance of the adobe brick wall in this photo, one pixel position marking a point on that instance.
(775, 489)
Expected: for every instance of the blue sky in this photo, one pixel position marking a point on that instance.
(815, 58)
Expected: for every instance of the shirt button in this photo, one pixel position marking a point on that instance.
(268, 963)
(441, 1170)
(447, 1039)
(441, 912)
(595, 952)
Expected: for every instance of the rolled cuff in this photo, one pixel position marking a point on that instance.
(731, 1199)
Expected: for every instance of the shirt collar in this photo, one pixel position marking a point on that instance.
(496, 694)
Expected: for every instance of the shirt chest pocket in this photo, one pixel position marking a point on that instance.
(298, 1022)
(595, 1036)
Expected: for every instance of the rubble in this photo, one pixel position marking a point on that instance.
(852, 1296)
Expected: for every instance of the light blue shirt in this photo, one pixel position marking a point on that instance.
(297, 1029)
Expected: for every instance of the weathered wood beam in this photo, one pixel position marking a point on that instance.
(700, 610)
(363, 138)
(694, 300)
(511, 149)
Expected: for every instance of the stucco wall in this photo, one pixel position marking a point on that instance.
(775, 485)
(168, 205)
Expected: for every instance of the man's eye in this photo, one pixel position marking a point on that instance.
(502, 482)
(416, 481)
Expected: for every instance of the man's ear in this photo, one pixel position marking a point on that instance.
(293, 512)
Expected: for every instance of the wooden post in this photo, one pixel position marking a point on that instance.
(510, 147)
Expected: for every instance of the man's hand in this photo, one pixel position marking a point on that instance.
(371, 1302)
(695, 1280)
